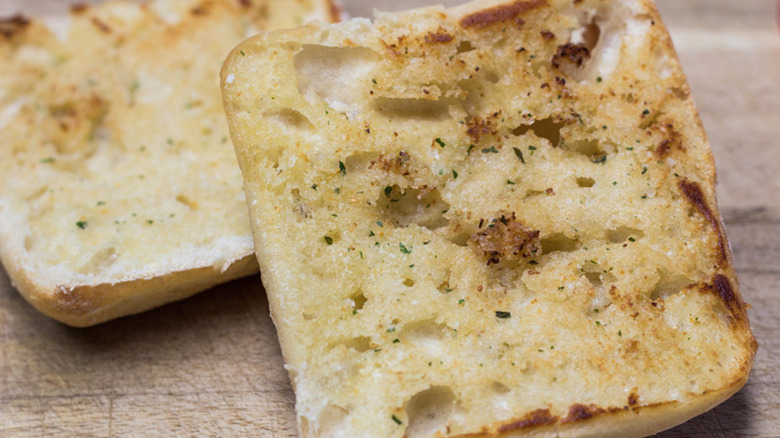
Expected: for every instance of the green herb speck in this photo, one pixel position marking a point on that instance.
(519, 154)
(82, 224)
(397, 421)
(342, 168)
(403, 248)
(441, 143)
(490, 150)
(328, 240)
(502, 314)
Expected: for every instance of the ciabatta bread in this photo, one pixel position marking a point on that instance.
(492, 220)
(119, 186)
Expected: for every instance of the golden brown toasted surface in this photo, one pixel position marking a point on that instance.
(497, 219)
(117, 169)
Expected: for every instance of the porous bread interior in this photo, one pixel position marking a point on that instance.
(116, 166)
(466, 225)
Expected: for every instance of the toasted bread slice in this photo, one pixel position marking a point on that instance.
(492, 220)
(120, 188)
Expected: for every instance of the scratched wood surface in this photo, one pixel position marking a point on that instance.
(211, 365)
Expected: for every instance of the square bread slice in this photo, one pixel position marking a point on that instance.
(120, 188)
(492, 220)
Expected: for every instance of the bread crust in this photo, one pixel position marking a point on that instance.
(407, 106)
(120, 188)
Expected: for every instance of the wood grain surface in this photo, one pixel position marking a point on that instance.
(211, 365)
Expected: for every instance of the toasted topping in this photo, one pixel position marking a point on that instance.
(504, 237)
(500, 14)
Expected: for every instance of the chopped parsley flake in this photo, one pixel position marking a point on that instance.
(461, 301)
(403, 249)
(454, 174)
(379, 223)
(328, 240)
(388, 190)
(314, 186)
(242, 53)
(645, 112)
(441, 143)
(490, 150)
(471, 147)
(502, 314)
(396, 340)
(81, 224)
(397, 421)
(519, 154)
(631, 239)
(342, 168)
(47, 160)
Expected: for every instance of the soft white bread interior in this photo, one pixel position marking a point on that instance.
(497, 219)
(119, 188)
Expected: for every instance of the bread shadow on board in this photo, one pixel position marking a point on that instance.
(734, 412)
(235, 312)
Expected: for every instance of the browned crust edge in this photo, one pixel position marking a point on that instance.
(593, 421)
(499, 13)
(83, 305)
(336, 11)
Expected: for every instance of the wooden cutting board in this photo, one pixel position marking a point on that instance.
(211, 365)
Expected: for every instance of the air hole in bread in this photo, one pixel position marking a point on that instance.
(669, 284)
(559, 242)
(545, 128)
(445, 287)
(331, 237)
(427, 335)
(594, 278)
(330, 419)
(289, 119)
(398, 109)
(589, 148)
(309, 316)
(187, 201)
(652, 119)
(585, 182)
(499, 388)
(490, 76)
(299, 207)
(358, 300)
(99, 261)
(29, 243)
(409, 206)
(329, 73)
(429, 412)
(474, 94)
(622, 234)
(530, 193)
(465, 46)
(460, 239)
(359, 344)
(408, 282)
